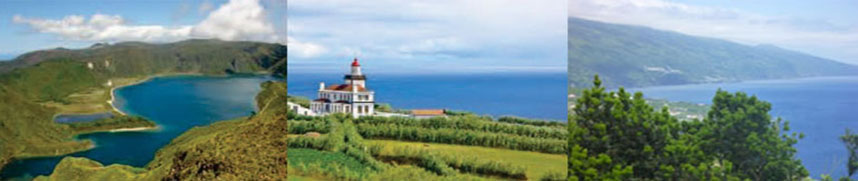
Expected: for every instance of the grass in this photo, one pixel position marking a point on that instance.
(111, 124)
(26, 127)
(537, 164)
(86, 102)
(325, 159)
(72, 168)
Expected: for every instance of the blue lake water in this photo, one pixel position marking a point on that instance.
(530, 95)
(175, 103)
(821, 108)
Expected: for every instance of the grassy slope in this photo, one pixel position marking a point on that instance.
(27, 128)
(246, 148)
(537, 164)
(38, 85)
(621, 53)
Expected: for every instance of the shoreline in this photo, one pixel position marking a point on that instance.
(745, 81)
(135, 129)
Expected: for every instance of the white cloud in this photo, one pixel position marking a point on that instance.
(304, 49)
(818, 37)
(101, 27)
(424, 33)
(235, 20)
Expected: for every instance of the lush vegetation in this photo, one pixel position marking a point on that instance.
(38, 85)
(634, 56)
(220, 151)
(473, 123)
(462, 137)
(536, 165)
(304, 102)
(311, 161)
(517, 120)
(341, 134)
(26, 127)
(128, 59)
(111, 124)
(617, 136)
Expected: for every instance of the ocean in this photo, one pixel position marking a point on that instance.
(529, 95)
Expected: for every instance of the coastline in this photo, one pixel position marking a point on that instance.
(135, 129)
(775, 80)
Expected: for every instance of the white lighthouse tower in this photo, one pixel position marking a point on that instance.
(352, 97)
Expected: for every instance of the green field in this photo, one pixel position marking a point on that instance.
(458, 147)
(537, 164)
(313, 161)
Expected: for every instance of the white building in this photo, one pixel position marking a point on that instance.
(301, 110)
(352, 97)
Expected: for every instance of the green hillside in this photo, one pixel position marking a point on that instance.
(634, 56)
(190, 56)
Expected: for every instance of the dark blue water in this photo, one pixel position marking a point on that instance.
(176, 104)
(821, 108)
(531, 95)
(73, 118)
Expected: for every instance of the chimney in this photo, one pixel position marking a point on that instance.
(321, 86)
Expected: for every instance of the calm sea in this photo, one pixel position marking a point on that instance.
(176, 104)
(821, 108)
(530, 95)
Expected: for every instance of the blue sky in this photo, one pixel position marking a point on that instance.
(33, 25)
(444, 36)
(825, 28)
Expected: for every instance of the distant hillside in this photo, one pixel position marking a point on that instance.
(190, 56)
(634, 56)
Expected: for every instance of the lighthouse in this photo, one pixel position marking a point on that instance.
(352, 97)
(355, 77)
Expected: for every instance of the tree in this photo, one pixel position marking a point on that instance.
(851, 141)
(383, 108)
(739, 129)
(613, 133)
(616, 136)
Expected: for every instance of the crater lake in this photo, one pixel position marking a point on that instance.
(174, 103)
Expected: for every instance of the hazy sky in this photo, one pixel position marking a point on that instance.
(391, 36)
(825, 28)
(33, 25)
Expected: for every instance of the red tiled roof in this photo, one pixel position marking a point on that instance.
(427, 112)
(345, 87)
(322, 100)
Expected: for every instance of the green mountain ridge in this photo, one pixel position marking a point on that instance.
(637, 56)
(206, 56)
